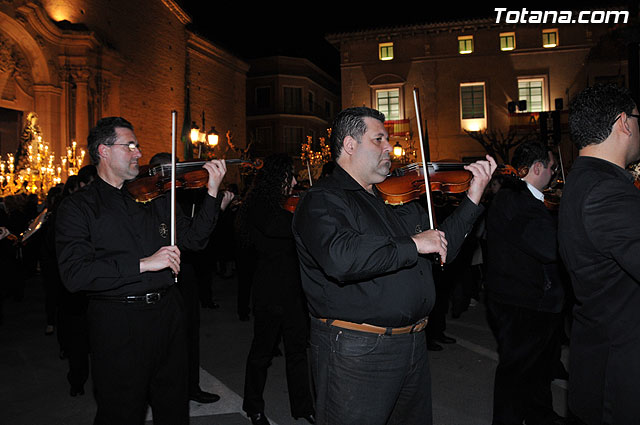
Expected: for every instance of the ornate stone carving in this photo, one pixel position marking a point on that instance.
(14, 62)
(80, 75)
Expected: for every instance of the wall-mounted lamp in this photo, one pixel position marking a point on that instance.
(398, 151)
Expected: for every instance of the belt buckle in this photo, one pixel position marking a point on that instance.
(152, 297)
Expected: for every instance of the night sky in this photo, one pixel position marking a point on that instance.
(270, 28)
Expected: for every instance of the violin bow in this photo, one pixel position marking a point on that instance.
(425, 170)
(309, 171)
(174, 116)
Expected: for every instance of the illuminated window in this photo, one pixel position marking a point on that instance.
(465, 44)
(549, 38)
(385, 51)
(388, 102)
(507, 41)
(532, 90)
(472, 106)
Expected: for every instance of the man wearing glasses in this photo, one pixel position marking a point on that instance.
(117, 251)
(599, 236)
(525, 291)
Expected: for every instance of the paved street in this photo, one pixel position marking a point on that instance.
(34, 390)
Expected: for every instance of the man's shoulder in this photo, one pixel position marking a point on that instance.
(85, 196)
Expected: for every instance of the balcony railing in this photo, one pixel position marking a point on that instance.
(397, 127)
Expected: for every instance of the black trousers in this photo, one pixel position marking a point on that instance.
(189, 289)
(270, 323)
(139, 358)
(73, 335)
(529, 349)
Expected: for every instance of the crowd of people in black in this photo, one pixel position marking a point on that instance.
(347, 278)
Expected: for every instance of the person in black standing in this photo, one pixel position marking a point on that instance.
(117, 251)
(599, 236)
(278, 301)
(188, 283)
(525, 291)
(368, 287)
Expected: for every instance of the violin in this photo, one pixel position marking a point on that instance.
(405, 184)
(291, 202)
(153, 181)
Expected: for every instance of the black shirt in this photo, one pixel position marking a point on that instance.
(102, 233)
(357, 259)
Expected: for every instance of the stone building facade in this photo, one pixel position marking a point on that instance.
(75, 61)
(288, 99)
(469, 73)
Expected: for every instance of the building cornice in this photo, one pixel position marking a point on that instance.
(208, 50)
(178, 12)
(281, 116)
(40, 22)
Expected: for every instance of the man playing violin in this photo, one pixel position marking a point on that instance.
(117, 251)
(368, 285)
(525, 291)
(599, 236)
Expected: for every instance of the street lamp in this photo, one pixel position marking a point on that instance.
(201, 137)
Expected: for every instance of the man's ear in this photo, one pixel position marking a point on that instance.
(622, 124)
(348, 146)
(537, 168)
(103, 151)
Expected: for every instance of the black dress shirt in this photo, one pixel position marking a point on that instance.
(357, 259)
(102, 233)
(599, 236)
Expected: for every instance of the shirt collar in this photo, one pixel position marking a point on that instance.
(535, 192)
(344, 179)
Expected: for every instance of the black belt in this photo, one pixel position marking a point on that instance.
(148, 298)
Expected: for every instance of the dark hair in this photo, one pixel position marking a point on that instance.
(526, 154)
(104, 133)
(328, 168)
(54, 195)
(350, 122)
(268, 190)
(87, 174)
(594, 110)
(71, 185)
(160, 158)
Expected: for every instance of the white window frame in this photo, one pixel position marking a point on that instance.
(545, 92)
(474, 124)
(550, 31)
(377, 89)
(385, 57)
(504, 35)
(465, 38)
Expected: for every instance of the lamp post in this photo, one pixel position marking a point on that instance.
(200, 137)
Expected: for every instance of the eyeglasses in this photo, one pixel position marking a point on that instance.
(131, 145)
(629, 115)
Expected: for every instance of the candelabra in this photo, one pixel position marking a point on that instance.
(72, 162)
(314, 160)
(36, 175)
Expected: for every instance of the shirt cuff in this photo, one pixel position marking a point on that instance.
(407, 251)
